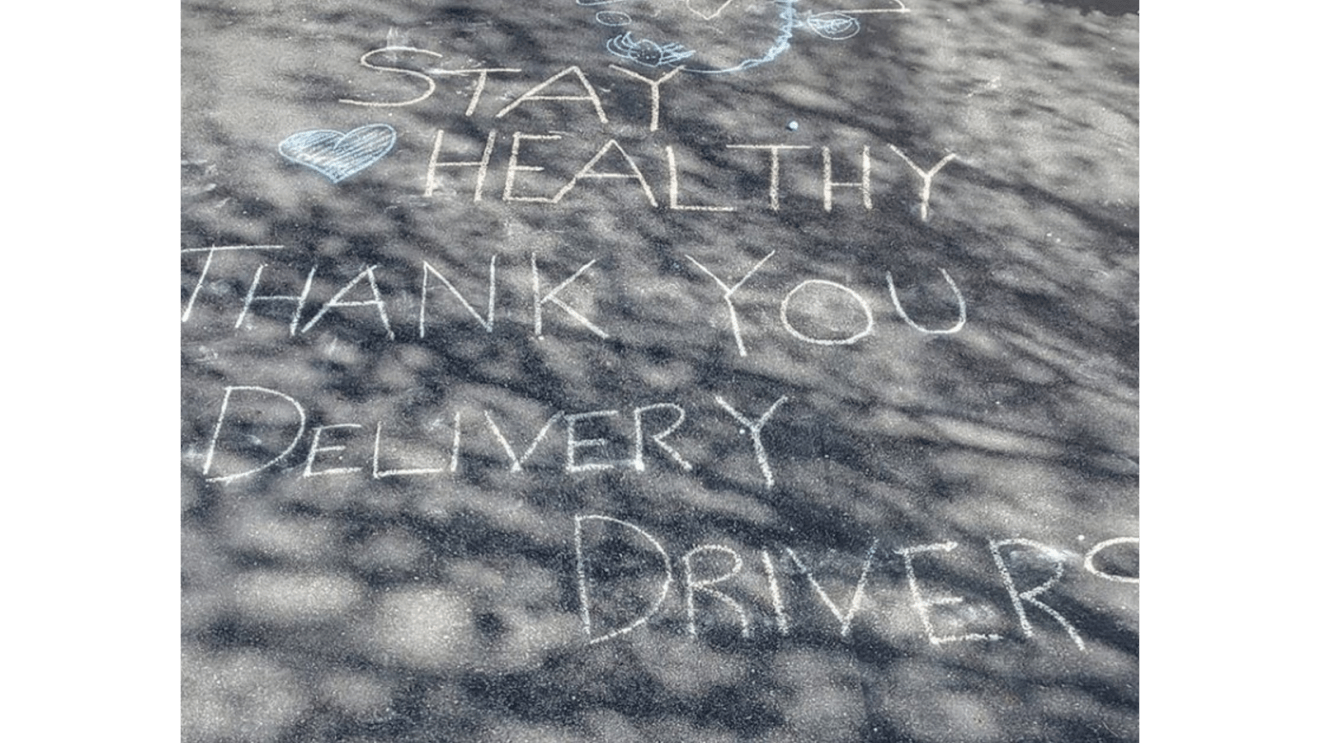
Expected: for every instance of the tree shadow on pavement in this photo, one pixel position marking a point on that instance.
(417, 510)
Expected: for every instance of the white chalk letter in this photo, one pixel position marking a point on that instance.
(201, 278)
(206, 267)
(430, 84)
(488, 323)
(574, 443)
(639, 440)
(317, 449)
(922, 604)
(728, 297)
(962, 306)
(1030, 596)
(704, 585)
(511, 172)
(481, 82)
(829, 183)
(673, 189)
(552, 297)
(377, 473)
(531, 95)
(774, 164)
(376, 301)
(776, 600)
(845, 618)
(298, 300)
(866, 309)
(583, 597)
(1089, 562)
(220, 421)
(655, 90)
(926, 177)
(589, 171)
(515, 461)
(754, 427)
(432, 178)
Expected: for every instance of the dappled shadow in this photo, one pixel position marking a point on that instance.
(422, 505)
(1107, 7)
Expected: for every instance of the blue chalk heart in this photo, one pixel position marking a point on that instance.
(337, 155)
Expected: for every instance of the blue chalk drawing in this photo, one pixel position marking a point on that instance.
(613, 18)
(714, 42)
(337, 155)
(647, 52)
(834, 26)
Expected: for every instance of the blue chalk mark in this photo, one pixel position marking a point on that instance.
(835, 26)
(780, 45)
(655, 54)
(647, 52)
(337, 155)
(613, 18)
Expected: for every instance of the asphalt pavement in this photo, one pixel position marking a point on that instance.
(659, 371)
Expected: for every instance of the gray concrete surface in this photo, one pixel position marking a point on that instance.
(721, 451)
